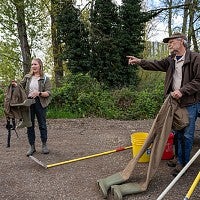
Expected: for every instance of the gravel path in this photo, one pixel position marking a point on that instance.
(23, 179)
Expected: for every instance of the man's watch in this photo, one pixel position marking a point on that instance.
(40, 93)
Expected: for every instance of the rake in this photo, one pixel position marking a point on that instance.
(78, 159)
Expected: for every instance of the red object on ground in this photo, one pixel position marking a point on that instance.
(169, 151)
(120, 149)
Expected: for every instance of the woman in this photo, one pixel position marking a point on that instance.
(38, 87)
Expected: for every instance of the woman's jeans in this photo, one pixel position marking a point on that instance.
(185, 137)
(37, 110)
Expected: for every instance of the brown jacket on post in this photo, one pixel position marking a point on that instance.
(14, 95)
(190, 78)
(17, 106)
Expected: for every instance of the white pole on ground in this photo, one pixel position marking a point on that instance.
(179, 175)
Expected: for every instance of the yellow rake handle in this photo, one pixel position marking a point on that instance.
(194, 184)
(86, 157)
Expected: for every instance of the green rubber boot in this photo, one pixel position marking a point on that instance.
(106, 183)
(118, 191)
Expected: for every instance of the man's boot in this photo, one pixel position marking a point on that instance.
(45, 150)
(173, 162)
(31, 150)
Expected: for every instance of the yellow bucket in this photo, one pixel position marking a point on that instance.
(137, 140)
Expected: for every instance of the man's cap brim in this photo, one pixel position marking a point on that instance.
(165, 40)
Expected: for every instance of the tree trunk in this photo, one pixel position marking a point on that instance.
(58, 65)
(191, 19)
(170, 17)
(191, 32)
(21, 26)
(185, 17)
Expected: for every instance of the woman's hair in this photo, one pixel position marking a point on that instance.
(40, 64)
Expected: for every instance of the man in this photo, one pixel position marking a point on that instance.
(182, 81)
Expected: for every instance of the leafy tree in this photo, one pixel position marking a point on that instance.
(188, 11)
(9, 46)
(131, 36)
(23, 38)
(54, 11)
(116, 33)
(23, 29)
(105, 52)
(74, 36)
(9, 59)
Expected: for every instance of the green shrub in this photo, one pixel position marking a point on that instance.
(58, 113)
(83, 96)
(147, 102)
(124, 98)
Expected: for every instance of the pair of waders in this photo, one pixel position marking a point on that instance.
(170, 116)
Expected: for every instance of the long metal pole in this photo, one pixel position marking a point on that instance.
(179, 175)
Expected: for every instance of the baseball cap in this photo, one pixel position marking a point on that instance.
(173, 36)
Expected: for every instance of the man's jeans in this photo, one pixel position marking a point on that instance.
(40, 112)
(186, 136)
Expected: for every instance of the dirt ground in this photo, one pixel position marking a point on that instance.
(23, 179)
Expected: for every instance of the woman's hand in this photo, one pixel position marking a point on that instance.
(34, 94)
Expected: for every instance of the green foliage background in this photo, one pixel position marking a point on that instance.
(94, 51)
(83, 96)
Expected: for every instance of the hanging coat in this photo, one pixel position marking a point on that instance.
(171, 116)
(16, 105)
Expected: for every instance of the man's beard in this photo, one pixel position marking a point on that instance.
(173, 53)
